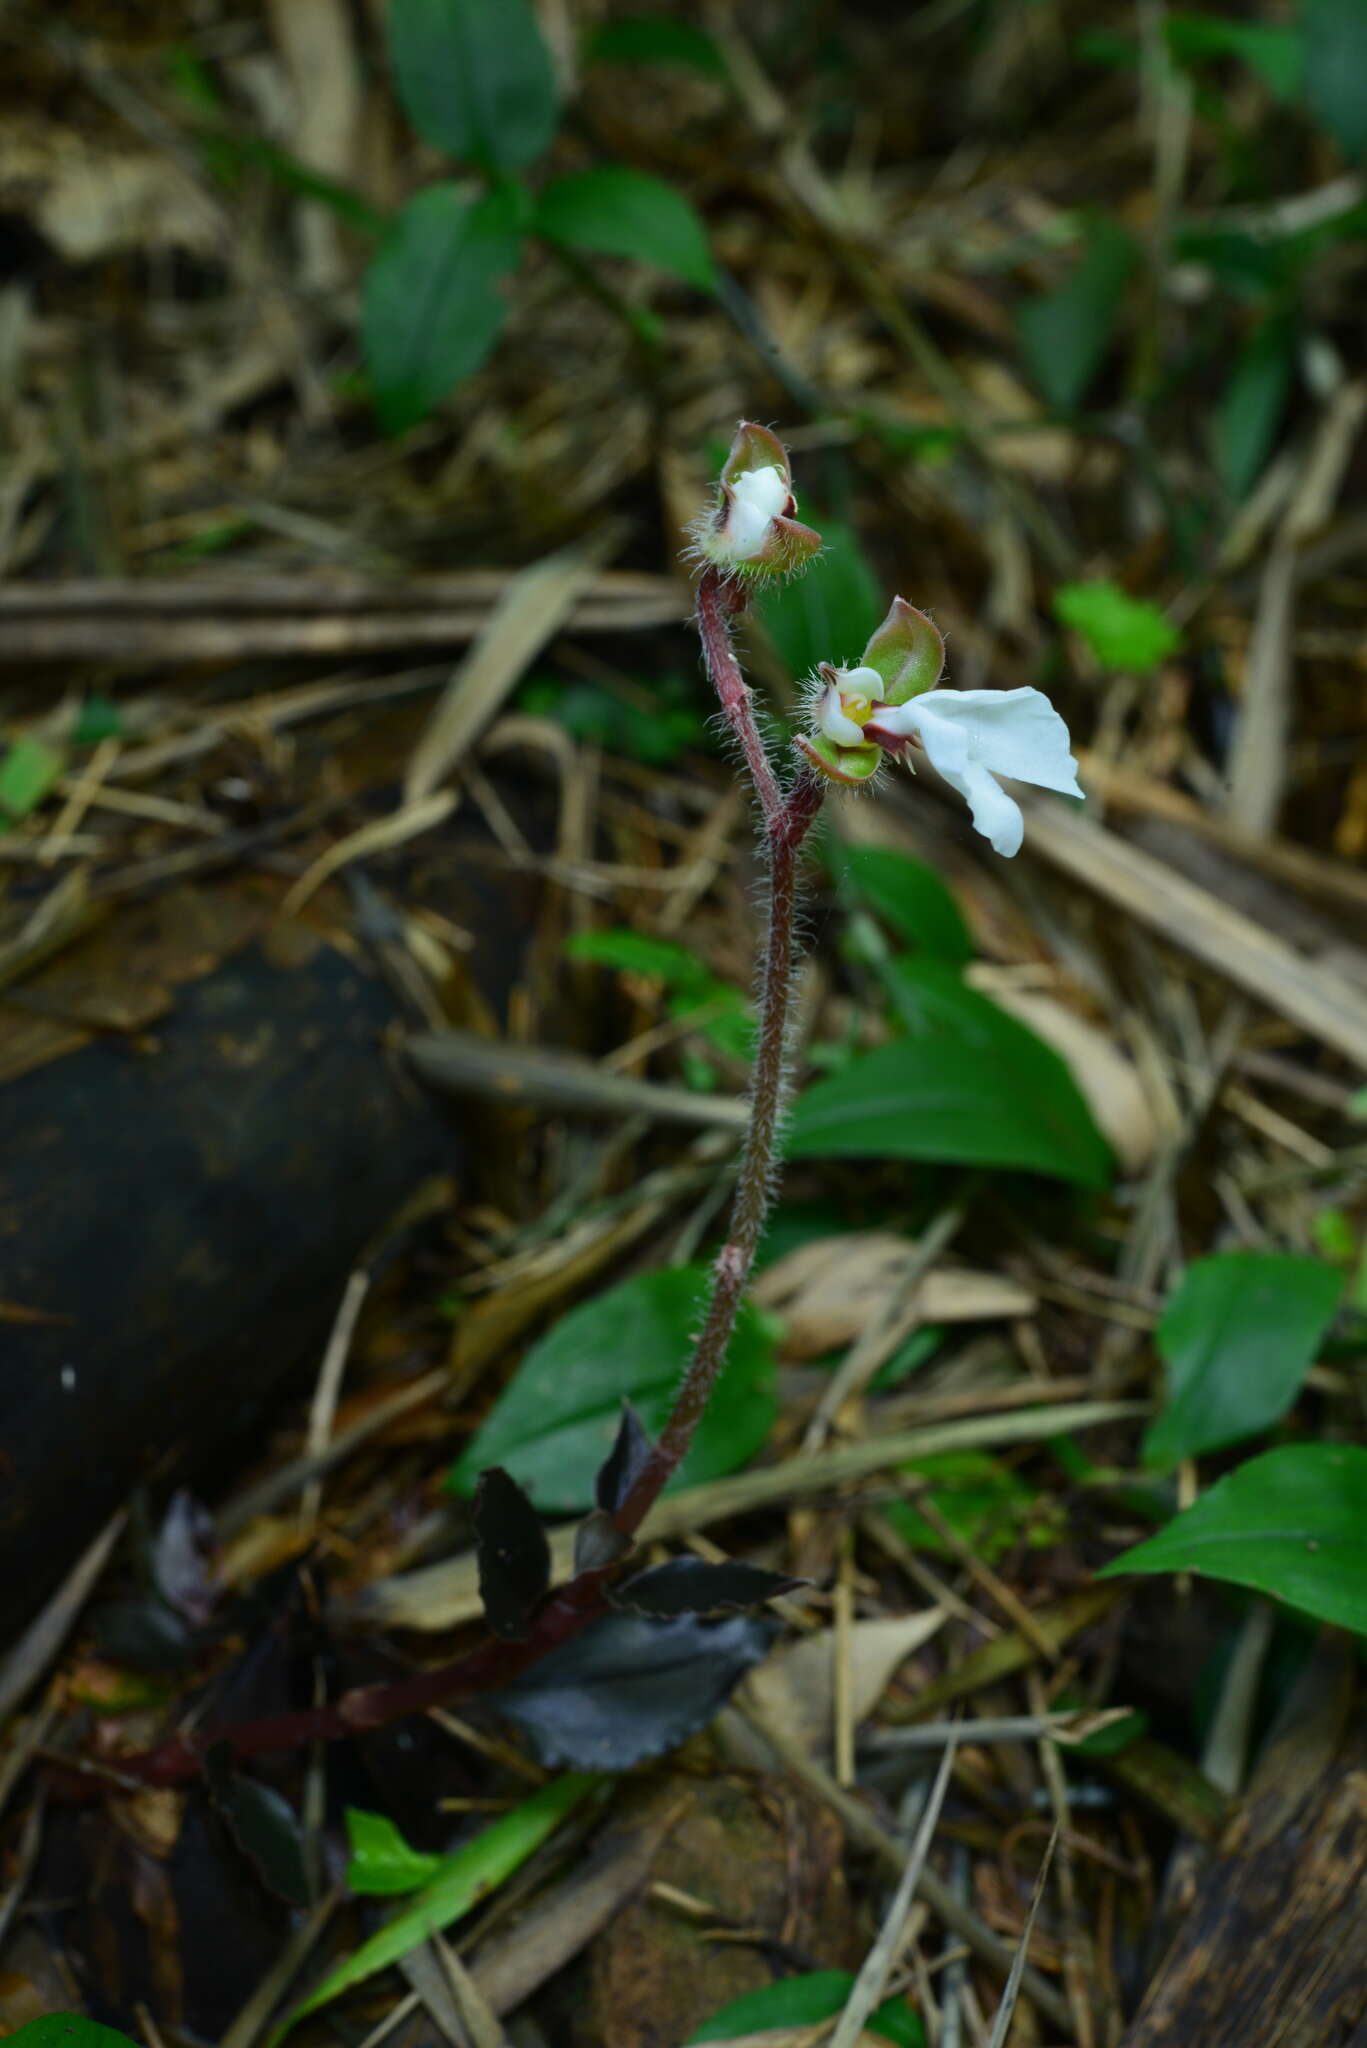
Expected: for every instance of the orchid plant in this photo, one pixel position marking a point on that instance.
(886, 706)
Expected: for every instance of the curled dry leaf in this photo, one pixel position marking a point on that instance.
(828, 1292)
(795, 1688)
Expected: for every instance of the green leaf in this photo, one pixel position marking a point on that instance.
(475, 78)
(462, 1881)
(66, 2030)
(1238, 1337)
(1292, 1523)
(642, 39)
(1123, 632)
(970, 1086)
(1271, 50)
(614, 211)
(804, 2002)
(432, 304)
(557, 1420)
(381, 1861)
(1252, 403)
(1064, 334)
(641, 953)
(27, 773)
(1335, 33)
(909, 896)
(828, 613)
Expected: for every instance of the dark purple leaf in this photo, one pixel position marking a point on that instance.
(598, 1542)
(185, 1558)
(631, 1687)
(686, 1585)
(513, 1554)
(624, 1463)
(145, 1634)
(263, 1824)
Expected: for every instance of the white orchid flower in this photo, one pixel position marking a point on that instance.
(972, 737)
(759, 496)
(753, 530)
(842, 702)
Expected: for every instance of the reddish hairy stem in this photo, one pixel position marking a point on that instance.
(719, 598)
(496, 1663)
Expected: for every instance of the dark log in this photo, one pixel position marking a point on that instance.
(177, 1220)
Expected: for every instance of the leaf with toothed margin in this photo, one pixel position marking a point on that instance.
(263, 1824)
(624, 1463)
(630, 1687)
(687, 1585)
(598, 1542)
(513, 1555)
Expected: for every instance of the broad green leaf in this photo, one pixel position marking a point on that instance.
(1252, 403)
(969, 1086)
(381, 1862)
(804, 2002)
(909, 896)
(1271, 50)
(656, 731)
(1335, 33)
(432, 301)
(1064, 334)
(644, 39)
(828, 613)
(614, 211)
(475, 78)
(66, 2030)
(27, 773)
(465, 1878)
(1238, 1337)
(728, 1018)
(1292, 1523)
(1123, 632)
(556, 1422)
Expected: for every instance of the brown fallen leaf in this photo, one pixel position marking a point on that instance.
(795, 1688)
(827, 1292)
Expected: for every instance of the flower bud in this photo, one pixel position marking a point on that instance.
(752, 531)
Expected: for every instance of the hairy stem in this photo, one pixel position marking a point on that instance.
(719, 597)
(787, 820)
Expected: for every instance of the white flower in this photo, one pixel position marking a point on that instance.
(972, 736)
(759, 496)
(842, 702)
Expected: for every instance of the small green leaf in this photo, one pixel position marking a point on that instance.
(970, 1086)
(828, 613)
(641, 953)
(461, 1882)
(1064, 334)
(1238, 1337)
(557, 1420)
(27, 773)
(644, 39)
(1271, 50)
(1335, 33)
(1252, 403)
(475, 78)
(805, 2002)
(614, 211)
(1292, 1523)
(66, 2030)
(1123, 632)
(432, 303)
(909, 896)
(382, 1864)
(981, 1499)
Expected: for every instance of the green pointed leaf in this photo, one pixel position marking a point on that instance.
(1238, 1337)
(1271, 50)
(804, 2002)
(910, 898)
(475, 78)
(1292, 1523)
(382, 1864)
(465, 1878)
(644, 39)
(970, 1086)
(560, 1415)
(1123, 632)
(1335, 33)
(615, 211)
(1064, 334)
(432, 302)
(66, 2030)
(1252, 403)
(27, 772)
